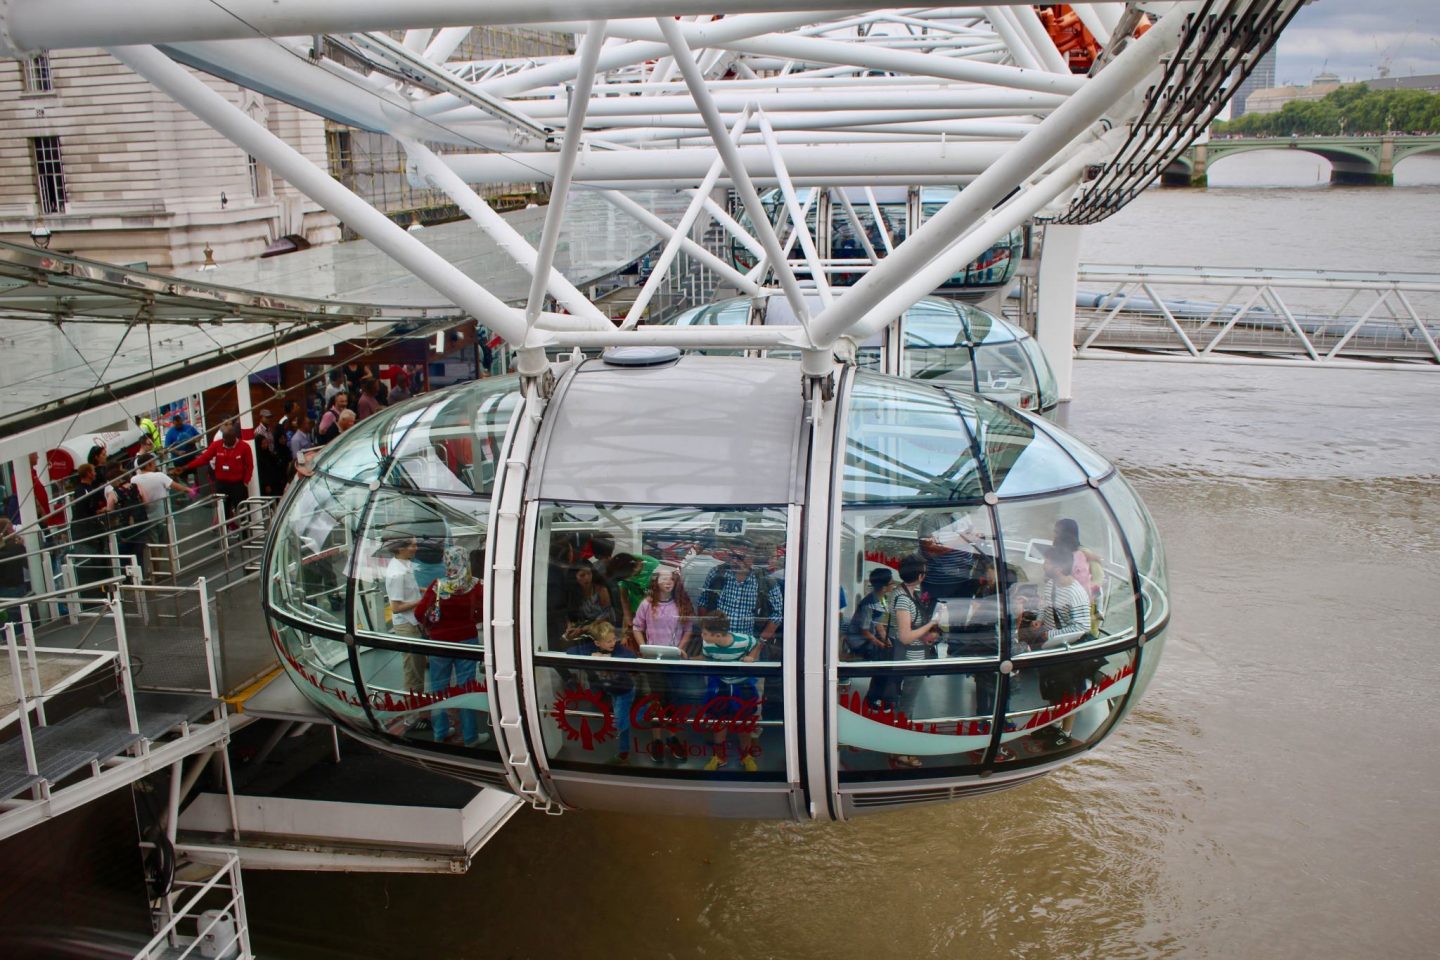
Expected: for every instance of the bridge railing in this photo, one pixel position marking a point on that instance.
(1314, 315)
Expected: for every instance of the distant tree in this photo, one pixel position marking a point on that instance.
(1353, 109)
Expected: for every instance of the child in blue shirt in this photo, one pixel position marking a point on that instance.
(720, 644)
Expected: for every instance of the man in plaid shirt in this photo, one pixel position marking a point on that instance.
(736, 588)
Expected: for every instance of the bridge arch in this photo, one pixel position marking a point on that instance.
(1356, 163)
(1353, 160)
(1414, 147)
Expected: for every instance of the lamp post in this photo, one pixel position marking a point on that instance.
(40, 234)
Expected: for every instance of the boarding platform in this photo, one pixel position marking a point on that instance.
(307, 799)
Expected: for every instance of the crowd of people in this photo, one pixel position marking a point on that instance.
(130, 497)
(942, 600)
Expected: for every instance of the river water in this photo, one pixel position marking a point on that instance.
(1276, 795)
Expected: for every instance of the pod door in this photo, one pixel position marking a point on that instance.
(660, 637)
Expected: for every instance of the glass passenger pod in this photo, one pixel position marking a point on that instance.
(996, 629)
(374, 579)
(660, 644)
(947, 341)
(884, 219)
(661, 633)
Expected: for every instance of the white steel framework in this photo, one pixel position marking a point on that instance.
(737, 94)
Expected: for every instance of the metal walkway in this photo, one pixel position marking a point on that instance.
(1319, 316)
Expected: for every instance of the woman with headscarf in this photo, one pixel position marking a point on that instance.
(450, 612)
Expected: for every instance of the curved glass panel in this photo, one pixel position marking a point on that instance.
(313, 542)
(602, 559)
(985, 327)
(1021, 459)
(727, 313)
(433, 692)
(1145, 543)
(900, 723)
(685, 722)
(403, 552)
(956, 596)
(1049, 389)
(1003, 372)
(997, 264)
(453, 444)
(907, 442)
(1094, 464)
(358, 453)
(1053, 708)
(320, 666)
(658, 632)
(934, 323)
(1068, 575)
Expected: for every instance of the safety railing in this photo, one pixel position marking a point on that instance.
(205, 916)
(136, 699)
(45, 763)
(195, 539)
(1312, 315)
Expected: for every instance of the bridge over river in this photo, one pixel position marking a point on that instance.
(1364, 161)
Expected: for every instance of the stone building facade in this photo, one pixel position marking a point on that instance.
(120, 173)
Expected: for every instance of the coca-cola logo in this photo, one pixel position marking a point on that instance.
(723, 714)
(574, 711)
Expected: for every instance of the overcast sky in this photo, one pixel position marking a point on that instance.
(1353, 37)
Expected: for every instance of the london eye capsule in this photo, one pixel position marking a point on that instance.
(956, 343)
(678, 585)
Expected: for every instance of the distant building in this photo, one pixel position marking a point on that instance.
(120, 173)
(1261, 78)
(1272, 99)
(1429, 82)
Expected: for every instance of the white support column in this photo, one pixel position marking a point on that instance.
(246, 421)
(574, 131)
(1055, 318)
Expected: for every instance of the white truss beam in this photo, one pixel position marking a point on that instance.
(192, 94)
(565, 167)
(57, 24)
(820, 94)
(1054, 134)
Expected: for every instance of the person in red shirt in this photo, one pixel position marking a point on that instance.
(449, 612)
(42, 499)
(233, 466)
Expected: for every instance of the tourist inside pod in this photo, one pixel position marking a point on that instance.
(687, 590)
(950, 341)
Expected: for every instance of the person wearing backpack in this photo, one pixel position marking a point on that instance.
(866, 636)
(233, 465)
(127, 515)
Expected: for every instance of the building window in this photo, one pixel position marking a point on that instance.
(49, 174)
(37, 73)
(341, 158)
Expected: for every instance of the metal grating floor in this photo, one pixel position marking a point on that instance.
(95, 733)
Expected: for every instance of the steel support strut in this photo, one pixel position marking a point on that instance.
(1079, 114)
(228, 119)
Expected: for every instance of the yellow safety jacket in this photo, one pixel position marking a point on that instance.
(157, 442)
